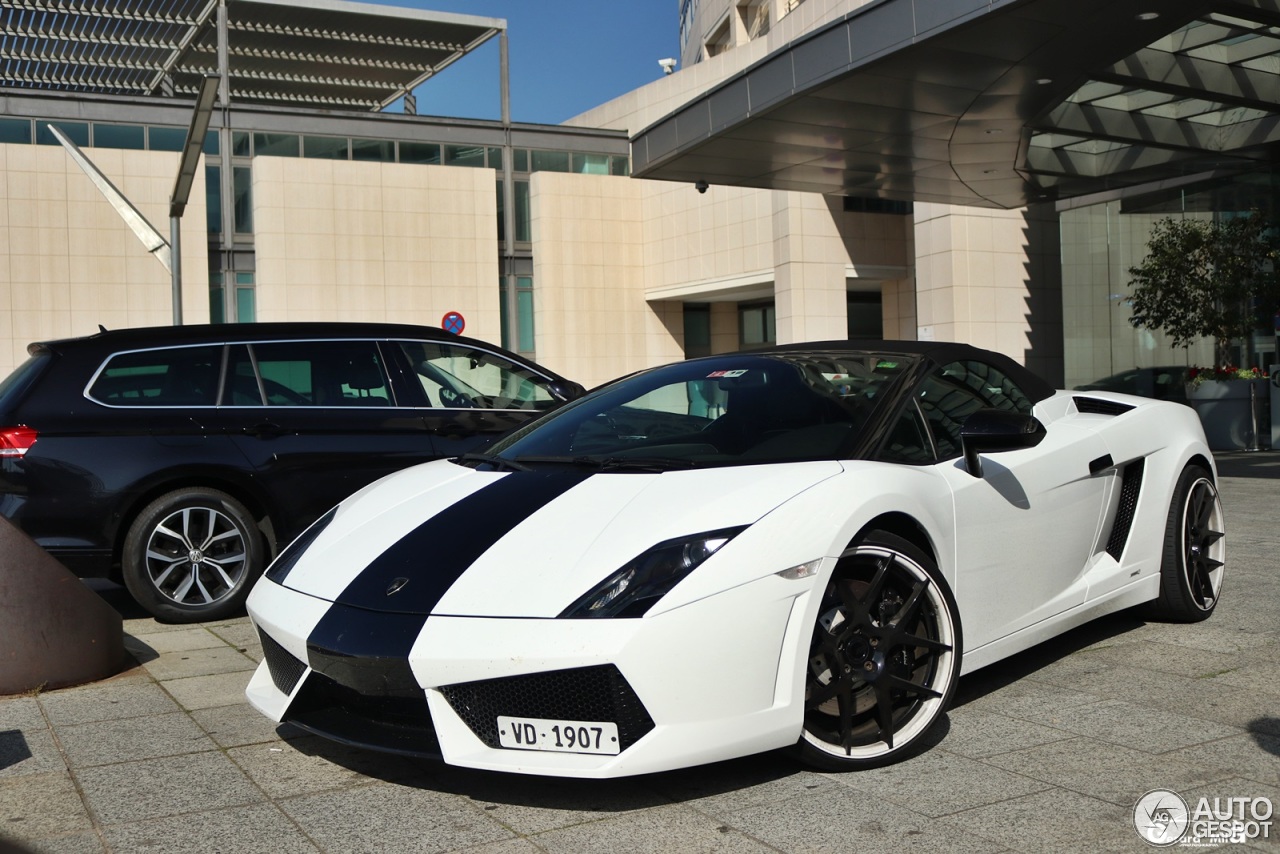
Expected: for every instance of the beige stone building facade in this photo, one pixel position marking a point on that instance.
(544, 241)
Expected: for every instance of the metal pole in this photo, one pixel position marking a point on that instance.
(512, 331)
(175, 267)
(1255, 444)
(227, 172)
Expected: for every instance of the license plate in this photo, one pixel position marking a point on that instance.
(558, 736)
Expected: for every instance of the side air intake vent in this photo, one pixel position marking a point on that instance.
(1129, 489)
(284, 668)
(1095, 406)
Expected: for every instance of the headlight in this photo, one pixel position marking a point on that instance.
(281, 566)
(633, 590)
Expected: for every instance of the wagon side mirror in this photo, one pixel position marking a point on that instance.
(566, 390)
(990, 431)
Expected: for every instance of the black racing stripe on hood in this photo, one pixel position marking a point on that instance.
(366, 651)
(436, 553)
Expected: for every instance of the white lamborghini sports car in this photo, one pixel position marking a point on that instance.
(801, 547)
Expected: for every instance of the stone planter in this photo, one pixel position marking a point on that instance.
(1236, 414)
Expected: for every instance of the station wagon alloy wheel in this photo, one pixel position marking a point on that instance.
(191, 555)
(884, 657)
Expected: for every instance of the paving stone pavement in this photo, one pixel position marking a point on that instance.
(1047, 751)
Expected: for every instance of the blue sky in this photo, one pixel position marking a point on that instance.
(567, 56)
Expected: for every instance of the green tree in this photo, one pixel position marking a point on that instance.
(1208, 279)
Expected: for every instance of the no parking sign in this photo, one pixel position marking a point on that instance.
(453, 322)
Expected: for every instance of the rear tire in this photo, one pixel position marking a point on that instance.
(884, 659)
(1192, 565)
(192, 555)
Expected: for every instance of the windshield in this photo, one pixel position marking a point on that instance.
(724, 410)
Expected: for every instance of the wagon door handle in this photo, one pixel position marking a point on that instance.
(264, 430)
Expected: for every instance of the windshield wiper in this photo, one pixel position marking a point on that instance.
(493, 460)
(644, 464)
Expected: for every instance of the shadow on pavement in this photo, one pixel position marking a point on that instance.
(977, 685)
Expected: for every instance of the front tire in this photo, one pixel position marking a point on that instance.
(1192, 565)
(192, 555)
(884, 659)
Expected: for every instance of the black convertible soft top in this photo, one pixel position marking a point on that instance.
(936, 352)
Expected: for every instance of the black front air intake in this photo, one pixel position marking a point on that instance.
(284, 668)
(400, 724)
(598, 693)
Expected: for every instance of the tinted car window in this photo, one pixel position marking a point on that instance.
(308, 373)
(14, 386)
(959, 389)
(172, 376)
(463, 377)
(909, 440)
(724, 411)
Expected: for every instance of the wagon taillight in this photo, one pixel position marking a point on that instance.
(16, 441)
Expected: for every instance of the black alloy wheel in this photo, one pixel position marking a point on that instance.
(1194, 558)
(884, 659)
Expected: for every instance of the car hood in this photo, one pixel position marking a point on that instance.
(447, 539)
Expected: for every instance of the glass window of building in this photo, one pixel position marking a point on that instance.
(132, 137)
(276, 144)
(865, 315)
(77, 132)
(16, 131)
(549, 161)
(166, 139)
(620, 165)
(246, 299)
(324, 147)
(757, 324)
(211, 145)
(240, 146)
(419, 152)
(213, 198)
(495, 158)
(524, 333)
(520, 160)
(697, 329)
(243, 210)
(217, 299)
(591, 164)
(464, 155)
(523, 230)
(524, 314)
(373, 150)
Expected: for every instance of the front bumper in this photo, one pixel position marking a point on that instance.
(713, 680)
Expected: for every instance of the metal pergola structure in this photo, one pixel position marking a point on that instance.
(990, 103)
(320, 53)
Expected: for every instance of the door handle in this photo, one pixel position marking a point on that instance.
(264, 430)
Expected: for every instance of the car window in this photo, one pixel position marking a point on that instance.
(457, 376)
(728, 410)
(308, 373)
(170, 376)
(909, 442)
(957, 390)
(14, 386)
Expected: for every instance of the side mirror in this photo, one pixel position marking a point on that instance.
(566, 390)
(993, 430)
